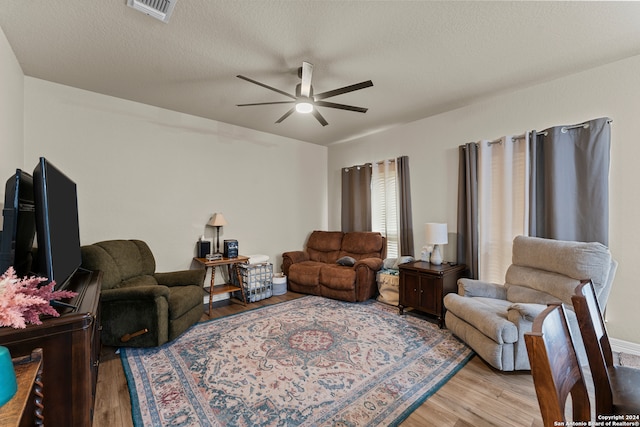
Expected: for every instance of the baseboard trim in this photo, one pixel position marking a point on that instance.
(216, 298)
(622, 346)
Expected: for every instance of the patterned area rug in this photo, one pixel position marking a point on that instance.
(309, 361)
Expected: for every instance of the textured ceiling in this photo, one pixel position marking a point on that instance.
(423, 57)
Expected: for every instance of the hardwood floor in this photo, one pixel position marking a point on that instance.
(476, 396)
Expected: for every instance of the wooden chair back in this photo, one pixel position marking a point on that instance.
(596, 343)
(555, 368)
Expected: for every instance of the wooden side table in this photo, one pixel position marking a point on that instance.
(424, 285)
(17, 411)
(232, 268)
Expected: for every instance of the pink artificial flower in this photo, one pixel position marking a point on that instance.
(22, 301)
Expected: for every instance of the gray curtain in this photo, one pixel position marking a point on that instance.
(467, 244)
(570, 182)
(404, 200)
(356, 198)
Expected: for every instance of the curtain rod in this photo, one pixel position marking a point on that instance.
(513, 139)
(563, 129)
(388, 160)
(346, 168)
(369, 164)
(584, 125)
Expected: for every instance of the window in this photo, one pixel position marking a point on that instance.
(384, 204)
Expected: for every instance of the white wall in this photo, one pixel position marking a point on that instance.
(157, 175)
(431, 144)
(11, 113)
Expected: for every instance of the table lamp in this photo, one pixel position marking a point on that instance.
(217, 221)
(436, 234)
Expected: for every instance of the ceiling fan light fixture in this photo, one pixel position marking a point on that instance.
(304, 106)
(305, 100)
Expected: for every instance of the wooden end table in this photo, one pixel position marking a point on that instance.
(232, 268)
(29, 377)
(423, 286)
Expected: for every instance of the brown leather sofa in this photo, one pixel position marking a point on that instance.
(336, 265)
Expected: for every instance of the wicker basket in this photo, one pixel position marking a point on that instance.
(257, 281)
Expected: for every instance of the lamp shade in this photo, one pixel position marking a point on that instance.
(217, 220)
(436, 233)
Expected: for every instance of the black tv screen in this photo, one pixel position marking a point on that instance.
(57, 227)
(19, 224)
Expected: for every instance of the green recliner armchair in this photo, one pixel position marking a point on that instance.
(139, 307)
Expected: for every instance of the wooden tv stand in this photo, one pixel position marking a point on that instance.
(70, 353)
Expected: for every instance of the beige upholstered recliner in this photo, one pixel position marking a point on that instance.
(492, 319)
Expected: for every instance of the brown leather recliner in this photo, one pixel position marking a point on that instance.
(336, 265)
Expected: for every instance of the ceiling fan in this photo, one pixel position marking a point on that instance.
(305, 100)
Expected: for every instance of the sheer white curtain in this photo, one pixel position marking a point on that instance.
(503, 199)
(384, 205)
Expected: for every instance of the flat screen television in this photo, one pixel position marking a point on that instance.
(57, 226)
(19, 224)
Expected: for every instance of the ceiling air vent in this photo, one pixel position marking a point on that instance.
(159, 9)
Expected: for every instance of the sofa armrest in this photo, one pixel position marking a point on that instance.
(366, 270)
(374, 264)
(479, 288)
(522, 315)
(526, 311)
(181, 278)
(292, 257)
(134, 293)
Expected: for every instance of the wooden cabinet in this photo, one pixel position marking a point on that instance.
(71, 349)
(423, 286)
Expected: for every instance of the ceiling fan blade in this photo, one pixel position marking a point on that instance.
(266, 86)
(265, 103)
(342, 90)
(319, 117)
(307, 71)
(341, 106)
(287, 114)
